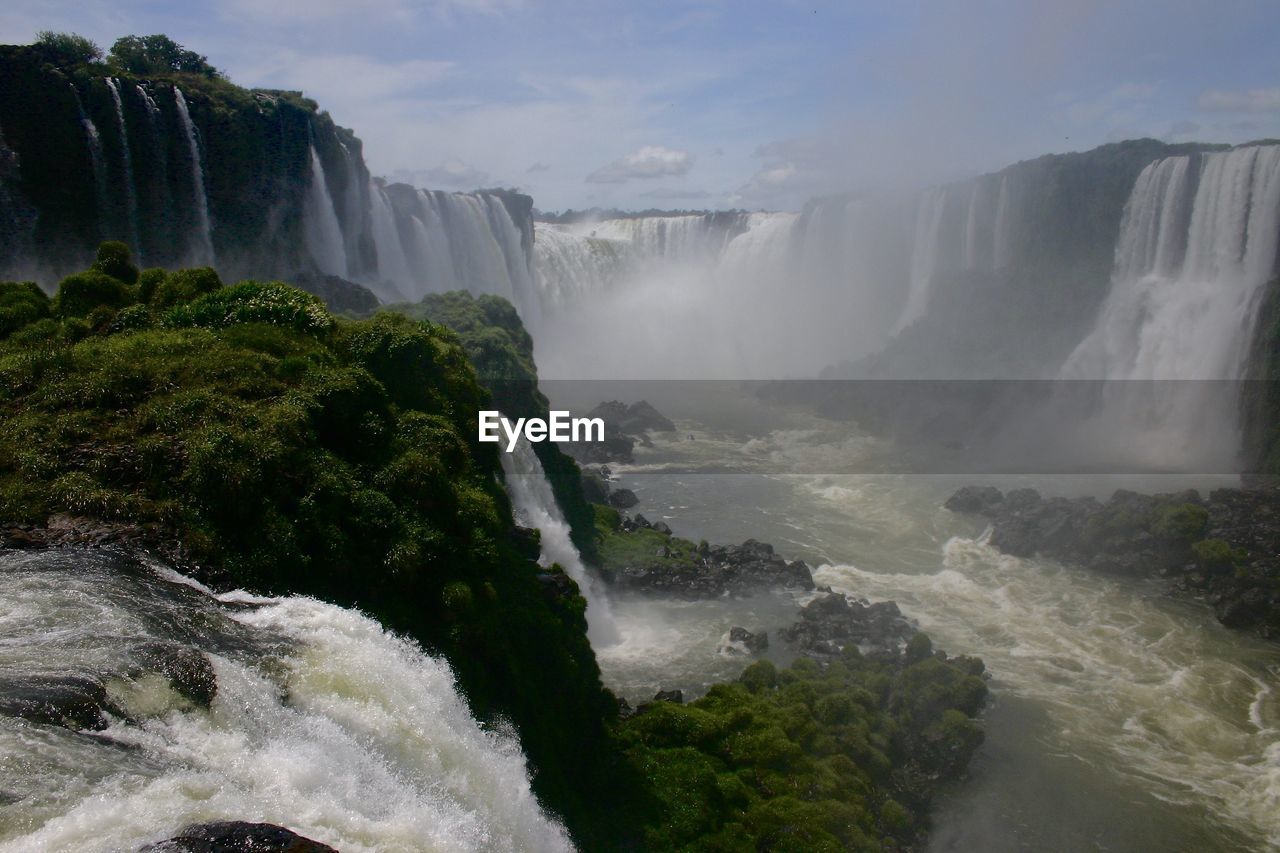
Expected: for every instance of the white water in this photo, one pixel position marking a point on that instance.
(393, 266)
(535, 506)
(322, 722)
(924, 255)
(1185, 291)
(131, 193)
(201, 249)
(320, 226)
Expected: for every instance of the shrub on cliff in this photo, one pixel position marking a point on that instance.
(274, 303)
(157, 54)
(21, 303)
(115, 259)
(82, 292)
(67, 50)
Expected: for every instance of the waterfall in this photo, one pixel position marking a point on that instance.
(1185, 290)
(97, 160)
(924, 255)
(202, 249)
(535, 506)
(393, 265)
(354, 205)
(568, 266)
(131, 195)
(1002, 238)
(321, 229)
(322, 721)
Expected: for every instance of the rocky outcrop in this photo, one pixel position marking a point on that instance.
(234, 836)
(340, 295)
(833, 621)
(708, 572)
(625, 426)
(1221, 549)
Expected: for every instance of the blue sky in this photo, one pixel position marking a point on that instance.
(717, 103)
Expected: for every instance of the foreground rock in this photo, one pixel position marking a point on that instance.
(238, 837)
(677, 568)
(1224, 549)
(832, 622)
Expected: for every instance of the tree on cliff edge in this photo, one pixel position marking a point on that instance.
(158, 54)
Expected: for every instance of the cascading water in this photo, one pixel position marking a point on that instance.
(393, 266)
(201, 250)
(535, 506)
(924, 255)
(320, 226)
(131, 193)
(97, 159)
(1197, 244)
(321, 721)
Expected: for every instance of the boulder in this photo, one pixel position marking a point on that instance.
(237, 837)
(623, 499)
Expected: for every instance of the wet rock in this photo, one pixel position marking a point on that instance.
(74, 702)
(832, 622)
(974, 499)
(237, 837)
(661, 527)
(623, 499)
(674, 696)
(188, 670)
(754, 642)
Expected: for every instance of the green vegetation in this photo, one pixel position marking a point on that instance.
(290, 451)
(620, 549)
(157, 54)
(502, 351)
(67, 49)
(835, 757)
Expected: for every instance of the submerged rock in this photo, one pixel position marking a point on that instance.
(188, 670)
(236, 836)
(753, 642)
(74, 702)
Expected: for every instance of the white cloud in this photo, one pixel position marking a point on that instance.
(651, 161)
(1248, 101)
(290, 12)
(450, 175)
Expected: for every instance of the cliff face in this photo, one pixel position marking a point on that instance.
(1005, 273)
(186, 169)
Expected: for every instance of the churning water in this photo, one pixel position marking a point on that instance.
(1120, 719)
(322, 722)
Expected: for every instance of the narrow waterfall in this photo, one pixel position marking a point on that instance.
(130, 189)
(924, 255)
(535, 506)
(320, 225)
(393, 266)
(321, 721)
(201, 250)
(98, 161)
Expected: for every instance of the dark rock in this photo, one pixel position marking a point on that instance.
(1245, 609)
(974, 499)
(188, 670)
(237, 837)
(675, 696)
(737, 570)
(832, 622)
(71, 701)
(340, 295)
(661, 527)
(623, 499)
(754, 642)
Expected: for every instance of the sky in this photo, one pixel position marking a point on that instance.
(724, 103)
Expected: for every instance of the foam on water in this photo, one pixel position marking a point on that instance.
(322, 722)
